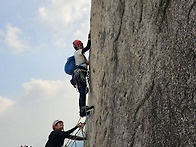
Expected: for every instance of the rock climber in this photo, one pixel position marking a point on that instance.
(79, 77)
(57, 136)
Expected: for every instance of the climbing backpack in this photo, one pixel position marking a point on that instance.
(70, 65)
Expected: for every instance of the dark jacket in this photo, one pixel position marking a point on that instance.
(88, 46)
(56, 137)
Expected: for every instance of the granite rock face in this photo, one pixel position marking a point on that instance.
(143, 73)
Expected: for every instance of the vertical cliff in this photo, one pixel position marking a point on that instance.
(143, 73)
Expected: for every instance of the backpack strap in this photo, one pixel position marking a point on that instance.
(80, 65)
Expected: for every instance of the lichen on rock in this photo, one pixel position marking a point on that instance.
(143, 73)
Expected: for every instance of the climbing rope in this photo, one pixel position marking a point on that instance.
(80, 131)
(88, 77)
(88, 140)
(69, 140)
(72, 142)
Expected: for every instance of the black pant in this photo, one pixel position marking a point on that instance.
(80, 80)
(82, 97)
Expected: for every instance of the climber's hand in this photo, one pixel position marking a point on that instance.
(89, 35)
(87, 62)
(81, 125)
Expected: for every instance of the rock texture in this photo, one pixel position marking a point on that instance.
(143, 73)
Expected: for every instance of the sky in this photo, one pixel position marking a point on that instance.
(35, 41)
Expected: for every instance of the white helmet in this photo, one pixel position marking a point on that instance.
(55, 123)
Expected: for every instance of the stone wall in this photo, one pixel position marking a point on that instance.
(143, 73)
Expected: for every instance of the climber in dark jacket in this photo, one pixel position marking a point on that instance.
(57, 136)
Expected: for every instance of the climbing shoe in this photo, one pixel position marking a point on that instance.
(87, 108)
(82, 114)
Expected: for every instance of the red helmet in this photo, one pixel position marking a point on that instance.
(55, 123)
(76, 42)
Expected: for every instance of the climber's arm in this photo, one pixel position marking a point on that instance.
(88, 44)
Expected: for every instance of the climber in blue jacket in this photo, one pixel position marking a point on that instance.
(80, 73)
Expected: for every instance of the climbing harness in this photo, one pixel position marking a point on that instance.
(80, 75)
(79, 78)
